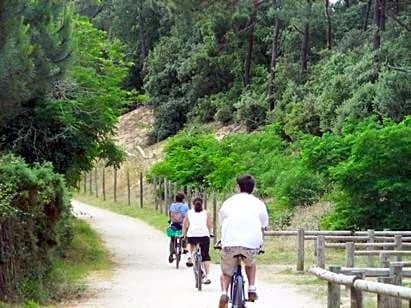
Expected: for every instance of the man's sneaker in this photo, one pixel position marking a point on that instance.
(206, 280)
(170, 259)
(223, 303)
(252, 296)
(189, 262)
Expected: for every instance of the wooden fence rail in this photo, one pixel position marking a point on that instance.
(370, 240)
(389, 295)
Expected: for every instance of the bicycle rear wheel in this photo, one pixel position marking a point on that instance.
(238, 292)
(178, 252)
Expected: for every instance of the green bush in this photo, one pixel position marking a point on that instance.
(375, 180)
(35, 224)
(298, 186)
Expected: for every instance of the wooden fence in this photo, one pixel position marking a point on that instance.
(130, 187)
(370, 243)
(389, 291)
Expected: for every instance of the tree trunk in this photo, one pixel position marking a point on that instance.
(142, 35)
(2, 24)
(382, 14)
(273, 63)
(329, 25)
(379, 20)
(367, 15)
(250, 44)
(305, 45)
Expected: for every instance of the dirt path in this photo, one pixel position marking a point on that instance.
(143, 278)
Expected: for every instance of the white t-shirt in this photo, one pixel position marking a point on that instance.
(242, 218)
(197, 224)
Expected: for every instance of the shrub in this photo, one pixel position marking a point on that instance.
(35, 224)
(298, 186)
(374, 180)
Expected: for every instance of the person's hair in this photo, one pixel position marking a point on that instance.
(198, 204)
(246, 183)
(180, 196)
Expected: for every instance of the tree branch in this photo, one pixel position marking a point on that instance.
(298, 30)
(402, 24)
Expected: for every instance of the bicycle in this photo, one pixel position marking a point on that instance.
(198, 266)
(237, 292)
(177, 236)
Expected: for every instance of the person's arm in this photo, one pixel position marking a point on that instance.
(263, 217)
(186, 225)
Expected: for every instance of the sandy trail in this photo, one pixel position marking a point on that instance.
(143, 277)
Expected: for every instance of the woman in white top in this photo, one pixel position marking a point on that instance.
(197, 227)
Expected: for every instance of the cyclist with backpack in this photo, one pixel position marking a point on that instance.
(176, 213)
(243, 218)
(197, 228)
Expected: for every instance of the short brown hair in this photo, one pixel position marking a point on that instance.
(180, 196)
(246, 183)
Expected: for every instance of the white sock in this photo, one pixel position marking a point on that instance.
(224, 293)
(252, 288)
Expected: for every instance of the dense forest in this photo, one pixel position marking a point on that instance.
(322, 87)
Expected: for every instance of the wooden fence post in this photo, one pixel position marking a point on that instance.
(215, 217)
(189, 195)
(170, 193)
(128, 188)
(85, 183)
(300, 250)
(165, 195)
(321, 251)
(383, 301)
(155, 193)
(398, 245)
(395, 273)
(385, 261)
(96, 180)
(115, 184)
(104, 183)
(141, 190)
(349, 254)
(91, 183)
(355, 294)
(334, 290)
(371, 239)
(205, 199)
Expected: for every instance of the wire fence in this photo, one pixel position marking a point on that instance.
(129, 185)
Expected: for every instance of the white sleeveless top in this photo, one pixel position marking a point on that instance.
(198, 224)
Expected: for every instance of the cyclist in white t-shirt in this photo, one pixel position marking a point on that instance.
(243, 218)
(197, 227)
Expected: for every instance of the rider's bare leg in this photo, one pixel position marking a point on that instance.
(250, 271)
(225, 281)
(206, 267)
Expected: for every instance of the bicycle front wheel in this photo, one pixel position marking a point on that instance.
(238, 300)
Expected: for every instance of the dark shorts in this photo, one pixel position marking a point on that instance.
(204, 242)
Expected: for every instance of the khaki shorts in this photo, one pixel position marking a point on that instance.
(229, 263)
